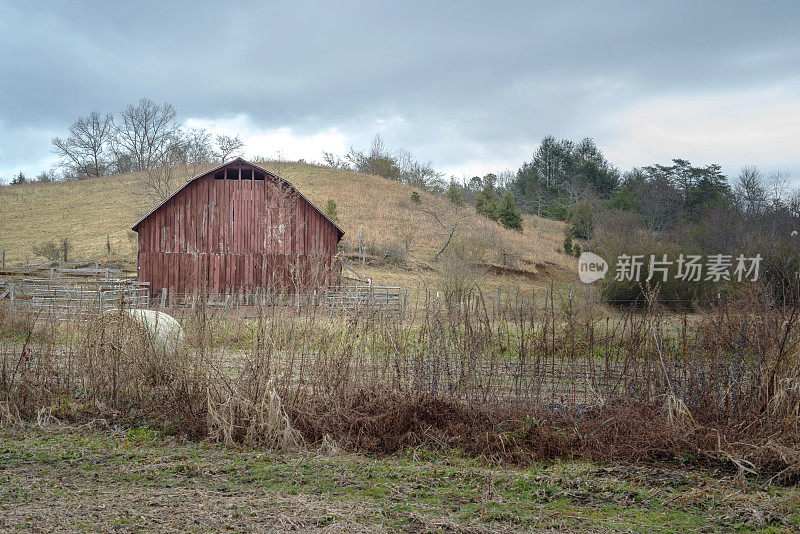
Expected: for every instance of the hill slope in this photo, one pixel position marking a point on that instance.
(401, 236)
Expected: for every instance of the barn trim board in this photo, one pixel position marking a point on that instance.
(237, 228)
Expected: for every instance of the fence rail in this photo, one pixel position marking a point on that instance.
(67, 294)
(374, 298)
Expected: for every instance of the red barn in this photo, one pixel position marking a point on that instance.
(235, 229)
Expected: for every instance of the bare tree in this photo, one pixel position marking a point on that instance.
(196, 146)
(778, 186)
(417, 173)
(84, 152)
(229, 147)
(750, 191)
(448, 216)
(146, 133)
(157, 184)
(398, 165)
(505, 178)
(333, 161)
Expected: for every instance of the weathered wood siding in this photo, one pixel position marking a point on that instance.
(236, 235)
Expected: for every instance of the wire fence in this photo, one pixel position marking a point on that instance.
(61, 290)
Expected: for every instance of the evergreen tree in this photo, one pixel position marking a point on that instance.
(568, 243)
(486, 203)
(330, 211)
(507, 213)
(558, 170)
(453, 194)
(710, 188)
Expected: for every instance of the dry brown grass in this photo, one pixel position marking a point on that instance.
(86, 211)
(83, 211)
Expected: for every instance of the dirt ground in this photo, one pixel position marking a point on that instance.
(96, 478)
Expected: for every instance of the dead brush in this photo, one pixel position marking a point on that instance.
(122, 361)
(45, 418)
(259, 422)
(678, 415)
(9, 415)
(517, 382)
(783, 407)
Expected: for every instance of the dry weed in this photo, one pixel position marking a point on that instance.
(516, 382)
(261, 423)
(9, 415)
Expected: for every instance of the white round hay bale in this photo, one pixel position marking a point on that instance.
(165, 330)
(158, 327)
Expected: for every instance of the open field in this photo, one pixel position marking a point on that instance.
(95, 479)
(86, 211)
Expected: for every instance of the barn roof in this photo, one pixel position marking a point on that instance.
(135, 227)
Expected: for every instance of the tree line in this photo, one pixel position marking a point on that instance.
(142, 137)
(678, 207)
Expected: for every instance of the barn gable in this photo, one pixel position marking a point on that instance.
(234, 229)
(238, 162)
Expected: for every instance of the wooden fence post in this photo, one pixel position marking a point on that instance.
(362, 249)
(163, 297)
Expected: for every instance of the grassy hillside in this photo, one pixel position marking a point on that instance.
(401, 238)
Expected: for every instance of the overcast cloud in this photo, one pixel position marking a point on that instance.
(472, 86)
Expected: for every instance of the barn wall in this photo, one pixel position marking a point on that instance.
(233, 236)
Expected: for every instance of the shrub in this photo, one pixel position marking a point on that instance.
(457, 276)
(568, 243)
(582, 221)
(408, 234)
(415, 197)
(486, 204)
(330, 211)
(53, 250)
(507, 213)
(391, 252)
(672, 293)
(505, 257)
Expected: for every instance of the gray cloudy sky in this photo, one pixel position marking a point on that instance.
(472, 86)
